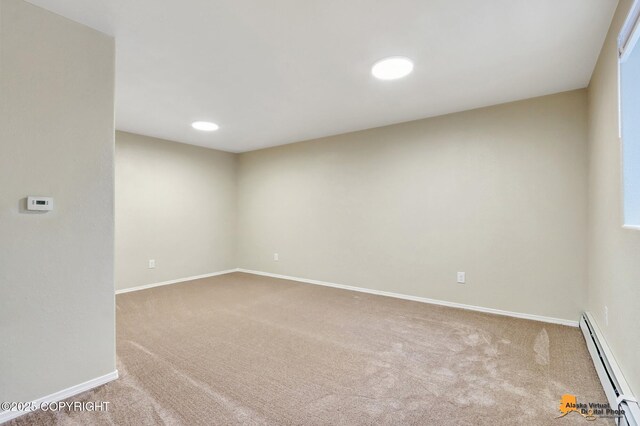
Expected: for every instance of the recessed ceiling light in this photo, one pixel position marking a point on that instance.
(392, 68)
(205, 126)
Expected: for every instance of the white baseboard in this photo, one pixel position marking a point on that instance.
(419, 299)
(613, 382)
(533, 317)
(5, 416)
(196, 277)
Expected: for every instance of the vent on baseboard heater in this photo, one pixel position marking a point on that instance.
(615, 386)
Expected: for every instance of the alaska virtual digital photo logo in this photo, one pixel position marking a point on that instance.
(590, 410)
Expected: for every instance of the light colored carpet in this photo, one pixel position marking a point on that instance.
(243, 349)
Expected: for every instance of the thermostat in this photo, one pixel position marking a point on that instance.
(39, 203)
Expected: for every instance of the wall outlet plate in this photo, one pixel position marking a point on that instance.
(461, 277)
(152, 263)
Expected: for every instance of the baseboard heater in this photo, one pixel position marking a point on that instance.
(615, 386)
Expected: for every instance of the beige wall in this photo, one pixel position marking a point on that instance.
(614, 252)
(56, 139)
(175, 203)
(498, 192)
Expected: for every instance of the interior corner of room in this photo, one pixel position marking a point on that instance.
(322, 226)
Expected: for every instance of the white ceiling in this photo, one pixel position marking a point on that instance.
(281, 71)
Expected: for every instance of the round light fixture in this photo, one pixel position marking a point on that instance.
(392, 68)
(205, 126)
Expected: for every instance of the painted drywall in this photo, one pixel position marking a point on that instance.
(614, 252)
(56, 139)
(175, 204)
(499, 193)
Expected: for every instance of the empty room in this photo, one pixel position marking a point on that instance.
(296, 212)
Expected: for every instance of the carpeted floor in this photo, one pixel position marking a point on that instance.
(243, 349)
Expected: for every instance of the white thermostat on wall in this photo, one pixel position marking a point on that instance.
(39, 203)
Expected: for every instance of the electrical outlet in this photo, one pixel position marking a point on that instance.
(152, 263)
(461, 277)
(606, 316)
(276, 257)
